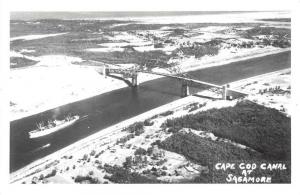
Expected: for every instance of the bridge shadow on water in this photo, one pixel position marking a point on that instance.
(121, 78)
(165, 91)
(206, 97)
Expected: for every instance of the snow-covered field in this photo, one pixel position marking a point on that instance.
(271, 90)
(32, 37)
(54, 81)
(22, 55)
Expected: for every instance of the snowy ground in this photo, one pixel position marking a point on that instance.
(262, 90)
(32, 37)
(54, 81)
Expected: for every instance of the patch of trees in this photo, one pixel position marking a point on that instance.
(245, 44)
(124, 139)
(213, 42)
(122, 175)
(167, 113)
(148, 59)
(282, 43)
(275, 90)
(86, 179)
(51, 174)
(280, 32)
(136, 129)
(196, 50)
(159, 45)
(280, 36)
(196, 106)
(266, 130)
(277, 19)
(18, 62)
(139, 27)
(148, 122)
(140, 151)
(177, 32)
(205, 151)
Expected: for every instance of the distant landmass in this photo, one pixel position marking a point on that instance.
(109, 14)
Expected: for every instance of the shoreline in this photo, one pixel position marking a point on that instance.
(85, 142)
(117, 128)
(212, 63)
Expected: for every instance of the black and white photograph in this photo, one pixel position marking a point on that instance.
(150, 97)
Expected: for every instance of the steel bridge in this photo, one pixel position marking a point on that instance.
(186, 83)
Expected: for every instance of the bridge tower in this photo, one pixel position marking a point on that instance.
(105, 71)
(134, 81)
(185, 90)
(224, 91)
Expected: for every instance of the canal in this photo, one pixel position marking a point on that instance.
(107, 109)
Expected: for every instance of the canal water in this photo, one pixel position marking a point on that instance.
(115, 106)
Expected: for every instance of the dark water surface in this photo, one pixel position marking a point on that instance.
(112, 107)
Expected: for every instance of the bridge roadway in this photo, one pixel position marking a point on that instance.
(190, 82)
(131, 73)
(185, 81)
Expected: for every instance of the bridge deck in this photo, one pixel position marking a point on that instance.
(187, 82)
(190, 82)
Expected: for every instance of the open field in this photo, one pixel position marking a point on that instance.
(149, 45)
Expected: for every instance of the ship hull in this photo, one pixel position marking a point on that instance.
(37, 134)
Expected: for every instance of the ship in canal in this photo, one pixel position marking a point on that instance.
(53, 126)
